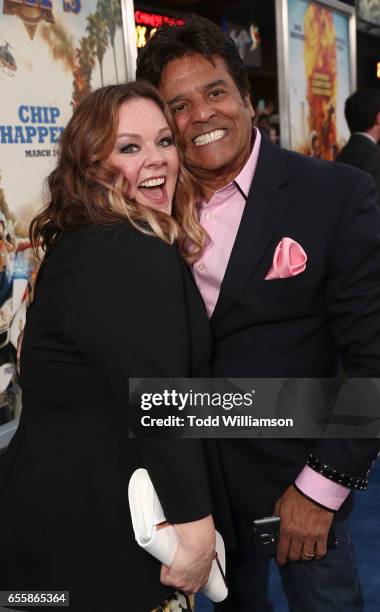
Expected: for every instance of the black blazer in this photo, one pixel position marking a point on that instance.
(109, 304)
(304, 326)
(362, 153)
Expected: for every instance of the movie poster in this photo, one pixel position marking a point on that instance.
(319, 78)
(52, 54)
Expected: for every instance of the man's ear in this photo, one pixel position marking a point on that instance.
(377, 119)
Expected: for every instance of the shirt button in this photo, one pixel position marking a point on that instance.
(201, 268)
(208, 216)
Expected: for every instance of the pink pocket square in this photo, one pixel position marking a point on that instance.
(289, 260)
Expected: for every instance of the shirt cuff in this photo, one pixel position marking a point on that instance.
(321, 489)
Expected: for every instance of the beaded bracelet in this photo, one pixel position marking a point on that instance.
(352, 482)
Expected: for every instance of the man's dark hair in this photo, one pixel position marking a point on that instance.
(196, 36)
(361, 109)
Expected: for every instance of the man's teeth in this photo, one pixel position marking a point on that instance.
(209, 137)
(153, 182)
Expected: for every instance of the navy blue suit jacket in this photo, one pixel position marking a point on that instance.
(315, 324)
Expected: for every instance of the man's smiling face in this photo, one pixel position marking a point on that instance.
(215, 122)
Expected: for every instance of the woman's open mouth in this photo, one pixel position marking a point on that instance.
(154, 188)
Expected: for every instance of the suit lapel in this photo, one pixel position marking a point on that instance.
(267, 201)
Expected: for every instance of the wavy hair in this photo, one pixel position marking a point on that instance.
(197, 35)
(84, 188)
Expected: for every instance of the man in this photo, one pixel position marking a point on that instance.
(257, 198)
(362, 111)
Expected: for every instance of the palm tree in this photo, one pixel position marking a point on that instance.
(98, 38)
(85, 56)
(110, 11)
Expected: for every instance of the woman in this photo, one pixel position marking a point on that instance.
(113, 300)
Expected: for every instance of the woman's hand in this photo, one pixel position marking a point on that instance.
(192, 562)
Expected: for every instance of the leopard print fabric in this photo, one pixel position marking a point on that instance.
(177, 603)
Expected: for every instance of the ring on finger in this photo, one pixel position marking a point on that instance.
(309, 555)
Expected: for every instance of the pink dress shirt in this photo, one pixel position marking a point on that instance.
(221, 217)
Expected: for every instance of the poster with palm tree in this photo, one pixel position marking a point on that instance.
(110, 13)
(52, 54)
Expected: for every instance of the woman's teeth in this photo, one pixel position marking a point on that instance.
(157, 182)
(209, 137)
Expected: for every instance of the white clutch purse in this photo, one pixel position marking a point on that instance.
(147, 512)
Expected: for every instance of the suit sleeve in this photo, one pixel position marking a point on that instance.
(353, 306)
(129, 319)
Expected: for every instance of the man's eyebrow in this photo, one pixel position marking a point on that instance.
(137, 136)
(215, 83)
(205, 88)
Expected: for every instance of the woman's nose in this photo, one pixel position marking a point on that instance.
(155, 157)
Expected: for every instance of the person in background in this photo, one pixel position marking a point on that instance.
(113, 300)
(362, 111)
(291, 283)
(315, 147)
(273, 136)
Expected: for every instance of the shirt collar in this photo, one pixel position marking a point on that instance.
(366, 135)
(246, 174)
